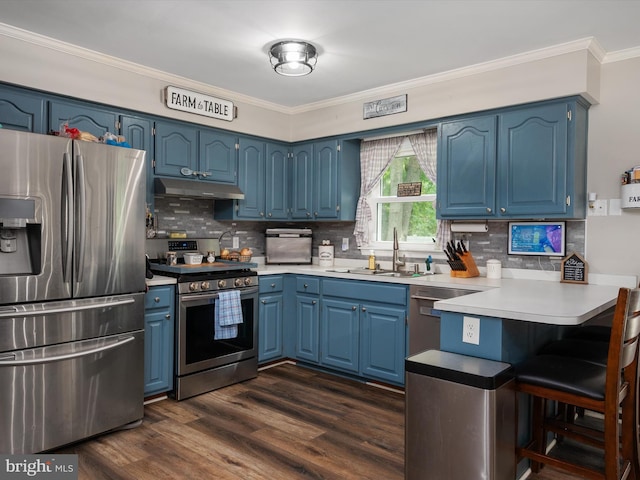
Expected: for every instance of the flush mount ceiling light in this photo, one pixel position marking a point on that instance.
(293, 58)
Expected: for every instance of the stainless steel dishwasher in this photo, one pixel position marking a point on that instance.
(424, 320)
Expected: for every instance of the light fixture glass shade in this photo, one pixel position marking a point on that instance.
(293, 58)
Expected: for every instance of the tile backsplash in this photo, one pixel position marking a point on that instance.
(195, 216)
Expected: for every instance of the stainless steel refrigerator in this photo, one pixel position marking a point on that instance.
(72, 282)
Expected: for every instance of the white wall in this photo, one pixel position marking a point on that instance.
(614, 146)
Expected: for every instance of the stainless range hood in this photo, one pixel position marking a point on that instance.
(174, 187)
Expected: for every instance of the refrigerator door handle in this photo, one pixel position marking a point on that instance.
(40, 359)
(67, 224)
(81, 206)
(63, 308)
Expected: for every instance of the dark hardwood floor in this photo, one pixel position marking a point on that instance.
(289, 423)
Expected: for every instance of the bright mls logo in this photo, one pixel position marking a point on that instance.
(50, 467)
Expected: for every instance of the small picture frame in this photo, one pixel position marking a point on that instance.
(574, 269)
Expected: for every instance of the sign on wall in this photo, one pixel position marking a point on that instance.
(386, 106)
(200, 104)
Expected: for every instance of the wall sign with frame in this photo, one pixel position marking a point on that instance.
(411, 189)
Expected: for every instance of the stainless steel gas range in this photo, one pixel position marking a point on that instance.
(203, 361)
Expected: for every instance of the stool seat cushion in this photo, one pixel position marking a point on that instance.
(566, 374)
(588, 350)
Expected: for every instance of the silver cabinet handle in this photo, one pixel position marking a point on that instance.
(364, 309)
(168, 316)
(488, 210)
(273, 285)
(354, 308)
(157, 299)
(306, 286)
(263, 302)
(503, 210)
(313, 302)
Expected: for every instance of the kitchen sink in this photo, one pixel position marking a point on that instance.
(378, 272)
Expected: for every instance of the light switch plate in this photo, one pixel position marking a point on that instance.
(599, 209)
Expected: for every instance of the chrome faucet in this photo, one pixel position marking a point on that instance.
(223, 234)
(395, 263)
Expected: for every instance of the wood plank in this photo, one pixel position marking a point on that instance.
(288, 423)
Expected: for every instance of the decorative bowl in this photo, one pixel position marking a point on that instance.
(192, 258)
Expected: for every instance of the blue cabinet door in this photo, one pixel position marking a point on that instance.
(251, 179)
(82, 116)
(307, 328)
(176, 147)
(218, 156)
(326, 180)
(467, 168)
(158, 339)
(22, 111)
(340, 334)
(277, 182)
(382, 342)
(532, 165)
(138, 132)
(302, 182)
(270, 327)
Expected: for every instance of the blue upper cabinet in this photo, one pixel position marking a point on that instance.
(86, 118)
(521, 163)
(251, 179)
(176, 148)
(21, 110)
(277, 181)
(467, 167)
(218, 156)
(301, 174)
(325, 180)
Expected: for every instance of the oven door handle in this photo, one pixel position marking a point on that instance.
(199, 297)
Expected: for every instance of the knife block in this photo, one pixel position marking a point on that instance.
(470, 263)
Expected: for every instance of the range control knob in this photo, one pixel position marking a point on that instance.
(248, 281)
(237, 282)
(193, 286)
(204, 285)
(222, 283)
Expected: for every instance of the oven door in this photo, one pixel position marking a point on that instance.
(197, 350)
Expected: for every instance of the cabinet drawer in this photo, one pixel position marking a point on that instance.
(271, 283)
(308, 285)
(158, 297)
(366, 291)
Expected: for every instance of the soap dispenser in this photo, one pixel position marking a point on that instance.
(372, 260)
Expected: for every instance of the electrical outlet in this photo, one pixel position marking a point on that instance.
(471, 330)
(236, 242)
(345, 244)
(599, 209)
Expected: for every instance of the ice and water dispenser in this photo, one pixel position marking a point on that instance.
(20, 236)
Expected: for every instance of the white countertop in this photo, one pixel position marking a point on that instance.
(540, 299)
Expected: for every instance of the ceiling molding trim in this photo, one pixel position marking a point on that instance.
(540, 54)
(108, 60)
(620, 55)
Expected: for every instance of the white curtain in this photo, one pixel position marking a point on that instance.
(425, 147)
(375, 156)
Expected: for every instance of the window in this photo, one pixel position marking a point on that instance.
(413, 217)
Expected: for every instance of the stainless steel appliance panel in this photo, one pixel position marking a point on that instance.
(288, 245)
(36, 325)
(32, 170)
(56, 395)
(109, 239)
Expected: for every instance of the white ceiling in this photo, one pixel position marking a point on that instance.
(363, 44)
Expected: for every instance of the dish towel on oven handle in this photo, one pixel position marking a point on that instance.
(228, 314)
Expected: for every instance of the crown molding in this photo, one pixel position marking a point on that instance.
(135, 68)
(622, 55)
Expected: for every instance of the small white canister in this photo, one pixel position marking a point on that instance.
(494, 269)
(325, 255)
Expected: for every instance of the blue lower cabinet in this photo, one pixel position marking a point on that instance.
(270, 327)
(382, 342)
(307, 328)
(159, 324)
(340, 325)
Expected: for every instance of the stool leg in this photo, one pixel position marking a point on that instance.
(537, 430)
